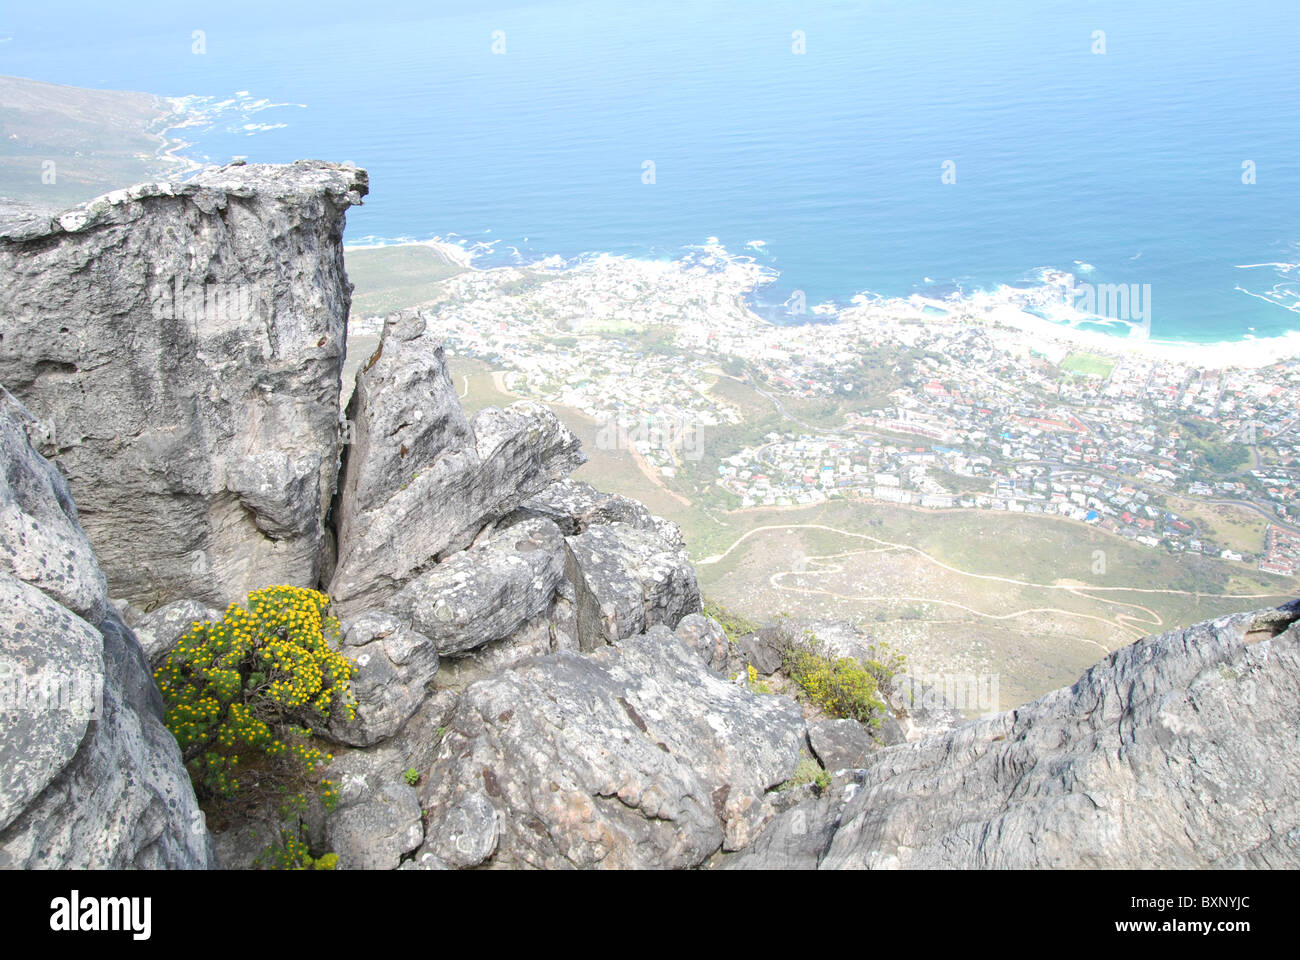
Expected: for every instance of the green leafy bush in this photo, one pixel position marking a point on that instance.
(843, 687)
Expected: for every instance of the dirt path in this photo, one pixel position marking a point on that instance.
(981, 576)
(1138, 626)
(823, 566)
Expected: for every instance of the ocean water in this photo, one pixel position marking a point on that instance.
(827, 166)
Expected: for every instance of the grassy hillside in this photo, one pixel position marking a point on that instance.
(62, 145)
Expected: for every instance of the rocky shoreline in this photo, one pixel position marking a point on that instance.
(537, 685)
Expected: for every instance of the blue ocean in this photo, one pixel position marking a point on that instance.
(892, 147)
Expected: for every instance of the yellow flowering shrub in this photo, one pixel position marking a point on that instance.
(243, 694)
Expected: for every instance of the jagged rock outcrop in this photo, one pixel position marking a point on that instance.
(470, 532)
(574, 506)
(1177, 751)
(419, 481)
(182, 344)
(636, 755)
(92, 778)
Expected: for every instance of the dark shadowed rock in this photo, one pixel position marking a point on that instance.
(765, 649)
(92, 778)
(841, 744)
(182, 345)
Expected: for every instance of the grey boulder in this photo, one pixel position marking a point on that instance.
(92, 778)
(377, 820)
(574, 506)
(627, 580)
(159, 630)
(395, 667)
(635, 756)
(487, 592)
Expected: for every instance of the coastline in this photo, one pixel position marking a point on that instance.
(1005, 309)
(999, 311)
(1247, 353)
(173, 117)
(449, 250)
(70, 145)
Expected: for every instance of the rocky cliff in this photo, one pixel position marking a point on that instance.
(91, 777)
(531, 647)
(182, 345)
(1177, 751)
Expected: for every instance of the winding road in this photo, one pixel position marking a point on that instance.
(1136, 625)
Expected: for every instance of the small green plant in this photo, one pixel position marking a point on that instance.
(412, 776)
(291, 851)
(808, 771)
(842, 686)
(733, 624)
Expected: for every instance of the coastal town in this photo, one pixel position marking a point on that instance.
(934, 406)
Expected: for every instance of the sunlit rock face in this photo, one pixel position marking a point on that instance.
(182, 347)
